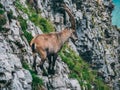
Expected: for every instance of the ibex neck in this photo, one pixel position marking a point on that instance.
(65, 35)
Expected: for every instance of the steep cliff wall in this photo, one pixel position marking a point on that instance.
(98, 45)
(98, 40)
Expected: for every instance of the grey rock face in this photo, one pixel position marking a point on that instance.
(12, 74)
(97, 43)
(98, 40)
(60, 80)
(75, 84)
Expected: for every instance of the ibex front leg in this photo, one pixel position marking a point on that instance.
(53, 63)
(52, 60)
(43, 55)
(50, 63)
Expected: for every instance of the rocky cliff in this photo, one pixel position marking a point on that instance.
(98, 45)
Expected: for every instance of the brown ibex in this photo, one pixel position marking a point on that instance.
(48, 45)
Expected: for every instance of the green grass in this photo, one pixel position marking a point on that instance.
(2, 18)
(1, 6)
(10, 15)
(21, 7)
(80, 70)
(45, 25)
(23, 25)
(1, 11)
(37, 82)
(2, 22)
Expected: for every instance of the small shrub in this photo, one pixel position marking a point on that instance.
(24, 27)
(21, 7)
(23, 23)
(25, 65)
(34, 18)
(46, 25)
(10, 15)
(37, 82)
(2, 22)
(1, 6)
(1, 12)
(73, 75)
(28, 36)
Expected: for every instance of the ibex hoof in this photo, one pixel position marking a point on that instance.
(41, 67)
(51, 72)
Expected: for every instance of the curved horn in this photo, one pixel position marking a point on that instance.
(72, 20)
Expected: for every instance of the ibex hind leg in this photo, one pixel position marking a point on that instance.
(50, 63)
(41, 64)
(43, 56)
(53, 63)
(34, 62)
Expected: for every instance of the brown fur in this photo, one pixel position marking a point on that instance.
(51, 42)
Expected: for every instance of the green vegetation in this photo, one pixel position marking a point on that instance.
(81, 70)
(45, 25)
(1, 6)
(10, 15)
(23, 25)
(2, 18)
(37, 82)
(1, 11)
(21, 7)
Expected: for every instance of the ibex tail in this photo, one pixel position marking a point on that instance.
(33, 47)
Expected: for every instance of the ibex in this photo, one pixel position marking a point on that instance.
(48, 45)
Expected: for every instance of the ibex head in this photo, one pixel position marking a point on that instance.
(72, 20)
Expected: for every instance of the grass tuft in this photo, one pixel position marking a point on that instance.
(37, 82)
(10, 15)
(23, 25)
(1, 6)
(45, 25)
(80, 70)
(2, 22)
